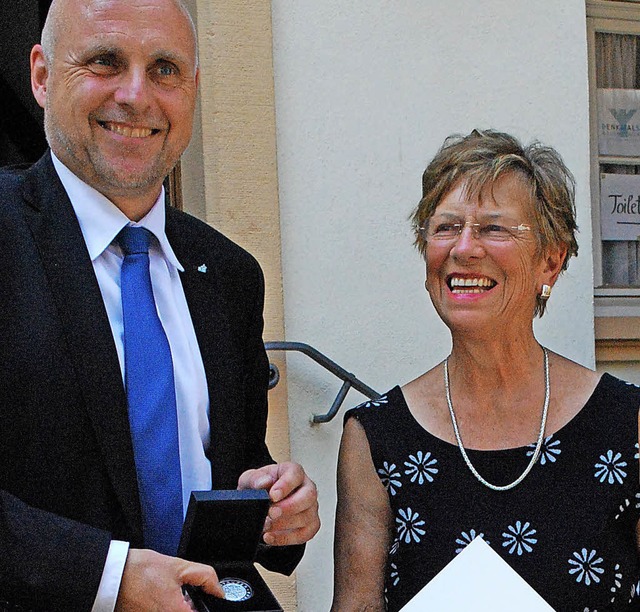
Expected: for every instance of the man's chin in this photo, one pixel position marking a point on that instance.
(128, 180)
(118, 178)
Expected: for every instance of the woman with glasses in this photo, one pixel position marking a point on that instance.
(504, 440)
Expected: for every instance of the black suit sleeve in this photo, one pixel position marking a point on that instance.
(32, 574)
(51, 462)
(282, 559)
(256, 380)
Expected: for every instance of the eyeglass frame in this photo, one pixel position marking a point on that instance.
(513, 231)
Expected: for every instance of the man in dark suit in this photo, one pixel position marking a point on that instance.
(118, 80)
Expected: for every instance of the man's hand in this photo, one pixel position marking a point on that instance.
(152, 582)
(293, 516)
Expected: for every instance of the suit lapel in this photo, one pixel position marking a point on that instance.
(211, 320)
(86, 329)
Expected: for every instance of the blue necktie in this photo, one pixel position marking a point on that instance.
(151, 397)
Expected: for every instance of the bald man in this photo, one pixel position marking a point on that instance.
(117, 80)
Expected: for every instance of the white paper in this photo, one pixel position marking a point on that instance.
(620, 206)
(478, 579)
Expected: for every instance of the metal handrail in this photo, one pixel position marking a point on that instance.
(349, 379)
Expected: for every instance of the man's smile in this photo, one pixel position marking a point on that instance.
(122, 129)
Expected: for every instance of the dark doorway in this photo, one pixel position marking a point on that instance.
(21, 133)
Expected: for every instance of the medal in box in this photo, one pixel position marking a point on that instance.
(223, 529)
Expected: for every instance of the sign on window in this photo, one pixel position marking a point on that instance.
(619, 122)
(620, 206)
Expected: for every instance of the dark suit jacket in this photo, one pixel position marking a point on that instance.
(67, 477)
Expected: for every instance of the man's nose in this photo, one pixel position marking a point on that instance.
(133, 88)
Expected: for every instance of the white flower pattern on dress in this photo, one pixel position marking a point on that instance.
(548, 451)
(389, 477)
(586, 566)
(377, 402)
(623, 506)
(421, 467)
(394, 547)
(519, 538)
(610, 469)
(409, 527)
(617, 581)
(395, 578)
(466, 538)
(589, 574)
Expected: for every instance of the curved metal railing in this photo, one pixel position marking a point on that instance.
(348, 379)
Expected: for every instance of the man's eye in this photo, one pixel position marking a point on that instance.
(166, 70)
(103, 60)
(103, 63)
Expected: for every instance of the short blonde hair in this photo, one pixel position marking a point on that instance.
(480, 158)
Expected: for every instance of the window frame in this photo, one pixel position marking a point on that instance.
(608, 17)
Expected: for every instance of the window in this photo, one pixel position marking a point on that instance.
(614, 64)
(613, 30)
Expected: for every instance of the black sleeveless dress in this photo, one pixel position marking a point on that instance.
(569, 529)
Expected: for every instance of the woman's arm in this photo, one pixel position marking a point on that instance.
(363, 527)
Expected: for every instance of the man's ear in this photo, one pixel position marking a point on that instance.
(39, 75)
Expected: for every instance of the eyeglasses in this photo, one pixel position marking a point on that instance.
(487, 231)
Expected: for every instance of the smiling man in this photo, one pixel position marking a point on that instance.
(118, 84)
(132, 369)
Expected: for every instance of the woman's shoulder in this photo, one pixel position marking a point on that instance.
(591, 402)
(612, 390)
(424, 387)
(377, 407)
(397, 400)
(592, 385)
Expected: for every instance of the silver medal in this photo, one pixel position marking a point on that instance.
(236, 589)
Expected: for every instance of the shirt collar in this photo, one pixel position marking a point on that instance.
(101, 220)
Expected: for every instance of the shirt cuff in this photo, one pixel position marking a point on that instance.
(107, 594)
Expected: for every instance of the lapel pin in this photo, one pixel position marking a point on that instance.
(202, 268)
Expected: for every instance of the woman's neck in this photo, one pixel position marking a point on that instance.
(497, 391)
(496, 363)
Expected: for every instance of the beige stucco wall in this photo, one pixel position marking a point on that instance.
(366, 92)
(230, 175)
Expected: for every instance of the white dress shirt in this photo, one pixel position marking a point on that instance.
(101, 221)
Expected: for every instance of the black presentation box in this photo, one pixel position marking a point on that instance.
(223, 529)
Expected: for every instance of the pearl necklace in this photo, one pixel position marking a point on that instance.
(536, 454)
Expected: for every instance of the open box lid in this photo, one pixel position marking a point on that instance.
(223, 526)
